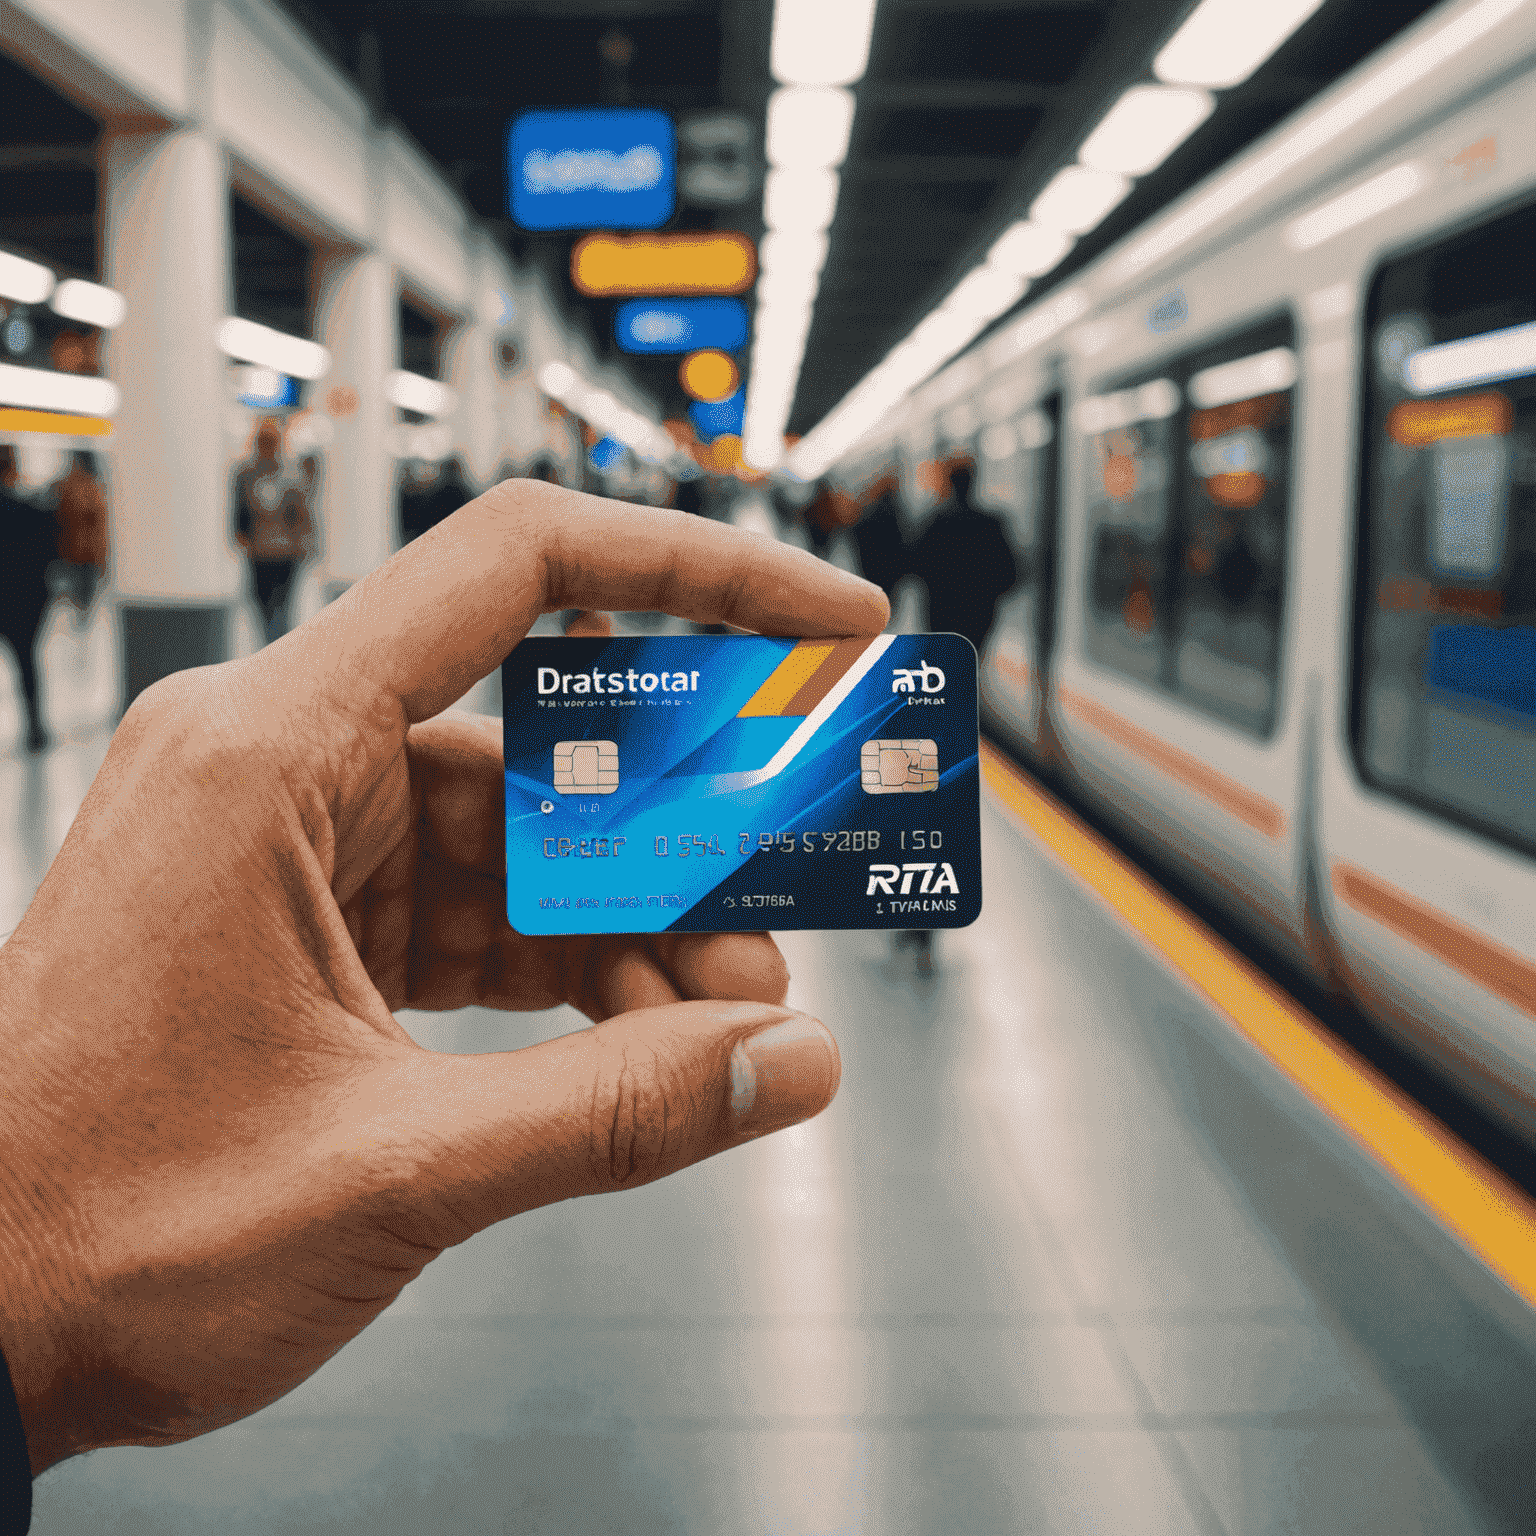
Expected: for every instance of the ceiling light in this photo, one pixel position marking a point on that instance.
(816, 43)
(1028, 250)
(89, 303)
(43, 390)
(412, 392)
(800, 250)
(1263, 373)
(28, 282)
(1375, 90)
(1484, 359)
(799, 200)
(556, 379)
(1224, 41)
(1355, 206)
(788, 288)
(1144, 127)
(808, 126)
(247, 342)
(1076, 198)
(986, 293)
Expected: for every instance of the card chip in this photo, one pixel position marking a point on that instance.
(586, 767)
(899, 767)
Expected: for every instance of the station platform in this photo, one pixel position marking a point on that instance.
(1067, 1254)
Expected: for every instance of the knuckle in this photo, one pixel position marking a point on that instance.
(641, 1113)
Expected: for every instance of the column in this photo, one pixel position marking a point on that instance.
(356, 318)
(165, 202)
(470, 369)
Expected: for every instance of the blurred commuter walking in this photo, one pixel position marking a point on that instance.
(29, 543)
(82, 520)
(966, 563)
(884, 557)
(273, 522)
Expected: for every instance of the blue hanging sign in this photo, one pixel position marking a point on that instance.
(715, 419)
(592, 168)
(680, 325)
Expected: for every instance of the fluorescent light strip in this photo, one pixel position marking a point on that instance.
(1504, 354)
(27, 282)
(42, 390)
(1264, 373)
(412, 392)
(814, 43)
(248, 342)
(1144, 127)
(815, 47)
(89, 303)
(1421, 60)
(1356, 206)
(1224, 41)
(808, 127)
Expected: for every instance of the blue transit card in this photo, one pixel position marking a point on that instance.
(714, 783)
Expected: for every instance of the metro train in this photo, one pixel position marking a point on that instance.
(1270, 463)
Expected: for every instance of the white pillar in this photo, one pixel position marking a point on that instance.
(356, 318)
(165, 200)
(470, 367)
(165, 207)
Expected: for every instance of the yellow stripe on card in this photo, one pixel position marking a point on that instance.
(788, 678)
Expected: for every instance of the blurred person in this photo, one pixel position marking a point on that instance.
(29, 544)
(81, 510)
(966, 563)
(441, 489)
(273, 523)
(229, 1157)
(879, 538)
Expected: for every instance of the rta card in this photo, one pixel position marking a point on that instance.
(714, 783)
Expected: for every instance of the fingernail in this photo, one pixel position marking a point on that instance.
(782, 1075)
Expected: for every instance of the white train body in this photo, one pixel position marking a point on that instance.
(1341, 749)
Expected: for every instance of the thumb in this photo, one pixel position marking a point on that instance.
(613, 1107)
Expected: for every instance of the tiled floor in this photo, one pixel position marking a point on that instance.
(1002, 1285)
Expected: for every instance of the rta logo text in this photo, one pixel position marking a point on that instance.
(906, 679)
(883, 876)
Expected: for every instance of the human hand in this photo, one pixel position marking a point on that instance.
(220, 1154)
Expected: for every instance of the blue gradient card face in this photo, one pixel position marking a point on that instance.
(715, 783)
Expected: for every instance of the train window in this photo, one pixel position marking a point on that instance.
(1445, 626)
(1016, 480)
(1188, 486)
(1131, 439)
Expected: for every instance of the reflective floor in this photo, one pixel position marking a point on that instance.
(1006, 1283)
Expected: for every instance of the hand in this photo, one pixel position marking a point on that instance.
(220, 1155)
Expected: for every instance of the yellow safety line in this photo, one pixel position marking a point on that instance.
(56, 422)
(1489, 1213)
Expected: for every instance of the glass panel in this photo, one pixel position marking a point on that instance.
(1232, 565)
(1129, 495)
(1445, 683)
(1188, 489)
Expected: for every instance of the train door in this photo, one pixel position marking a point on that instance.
(1167, 679)
(1014, 667)
(1428, 807)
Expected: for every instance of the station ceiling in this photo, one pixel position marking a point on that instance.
(967, 109)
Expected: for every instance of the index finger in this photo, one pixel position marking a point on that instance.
(444, 611)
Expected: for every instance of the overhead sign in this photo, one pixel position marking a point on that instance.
(680, 325)
(723, 417)
(615, 266)
(613, 167)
